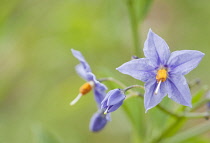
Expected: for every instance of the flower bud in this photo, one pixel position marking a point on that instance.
(134, 57)
(98, 121)
(113, 100)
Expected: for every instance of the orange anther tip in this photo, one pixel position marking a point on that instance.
(161, 75)
(85, 88)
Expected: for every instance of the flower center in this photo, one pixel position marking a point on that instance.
(160, 77)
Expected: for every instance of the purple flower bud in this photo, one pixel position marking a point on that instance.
(113, 100)
(134, 57)
(98, 121)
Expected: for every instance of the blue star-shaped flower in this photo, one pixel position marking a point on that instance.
(99, 119)
(163, 72)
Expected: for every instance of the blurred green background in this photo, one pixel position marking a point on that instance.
(37, 76)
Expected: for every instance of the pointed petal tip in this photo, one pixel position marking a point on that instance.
(189, 105)
(72, 50)
(203, 54)
(75, 52)
(150, 30)
(147, 109)
(118, 68)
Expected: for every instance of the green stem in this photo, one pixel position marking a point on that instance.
(190, 133)
(134, 26)
(168, 112)
(199, 104)
(113, 80)
(197, 115)
(174, 127)
(169, 130)
(133, 86)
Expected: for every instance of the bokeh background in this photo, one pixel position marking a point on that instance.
(37, 76)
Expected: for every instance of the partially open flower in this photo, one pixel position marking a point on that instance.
(83, 69)
(98, 121)
(113, 100)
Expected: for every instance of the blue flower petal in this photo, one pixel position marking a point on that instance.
(84, 66)
(156, 49)
(98, 121)
(99, 96)
(105, 100)
(81, 71)
(99, 92)
(108, 116)
(178, 90)
(140, 69)
(99, 89)
(104, 104)
(184, 61)
(151, 99)
(115, 96)
(115, 107)
(113, 100)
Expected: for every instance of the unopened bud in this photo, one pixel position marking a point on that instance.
(134, 57)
